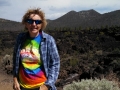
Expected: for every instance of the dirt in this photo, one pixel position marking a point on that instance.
(6, 81)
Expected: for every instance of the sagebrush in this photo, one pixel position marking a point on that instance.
(91, 84)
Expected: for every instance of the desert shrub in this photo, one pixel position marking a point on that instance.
(73, 62)
(99, 52)
(6, 59)
(6, 63)
(101, 33)
(116, 51)
(115, 64)
(91, 84)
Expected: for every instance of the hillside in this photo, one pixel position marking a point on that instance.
(86, 19)
(75, 19)
(8, 25)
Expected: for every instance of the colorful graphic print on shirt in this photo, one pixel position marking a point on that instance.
(31, 73)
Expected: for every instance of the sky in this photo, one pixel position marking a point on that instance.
(53, 9)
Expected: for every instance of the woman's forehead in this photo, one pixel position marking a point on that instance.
(35, 16)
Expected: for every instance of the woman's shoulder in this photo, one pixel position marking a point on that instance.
(21, 35)
(46, 35)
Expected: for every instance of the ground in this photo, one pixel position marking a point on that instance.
(6, 81)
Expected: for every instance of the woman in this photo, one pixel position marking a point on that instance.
(36, 60)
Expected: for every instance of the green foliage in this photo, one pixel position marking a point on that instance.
(115, 63)
(73, 62)
(80, 28)
(97, 38)
(101, 33)
(67, 33)
(116, 51)
(92, 85)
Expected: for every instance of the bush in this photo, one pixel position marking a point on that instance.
(92, 85)
(6, 64)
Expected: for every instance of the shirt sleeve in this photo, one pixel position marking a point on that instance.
(54, 64)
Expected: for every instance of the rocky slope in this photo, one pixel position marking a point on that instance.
(88, 54)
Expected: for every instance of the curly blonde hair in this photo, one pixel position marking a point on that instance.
(37, 11)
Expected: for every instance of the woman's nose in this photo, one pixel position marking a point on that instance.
(34, 23)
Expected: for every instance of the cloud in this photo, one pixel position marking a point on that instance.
(4, 3)
(14, 10)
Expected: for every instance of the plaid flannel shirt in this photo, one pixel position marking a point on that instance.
(49, 56)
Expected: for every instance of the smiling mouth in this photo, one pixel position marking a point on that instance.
(33, 28)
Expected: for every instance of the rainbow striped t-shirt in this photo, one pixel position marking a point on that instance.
(31, 74)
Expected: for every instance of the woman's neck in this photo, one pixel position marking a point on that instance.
(33, 35)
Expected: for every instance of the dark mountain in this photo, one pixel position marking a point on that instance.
(48, 20)
(85, 19)
(10, 25)
(111, 18)
(73, 19)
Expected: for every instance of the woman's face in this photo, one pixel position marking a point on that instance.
(34, 24)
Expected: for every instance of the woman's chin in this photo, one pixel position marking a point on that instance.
(34, 31)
